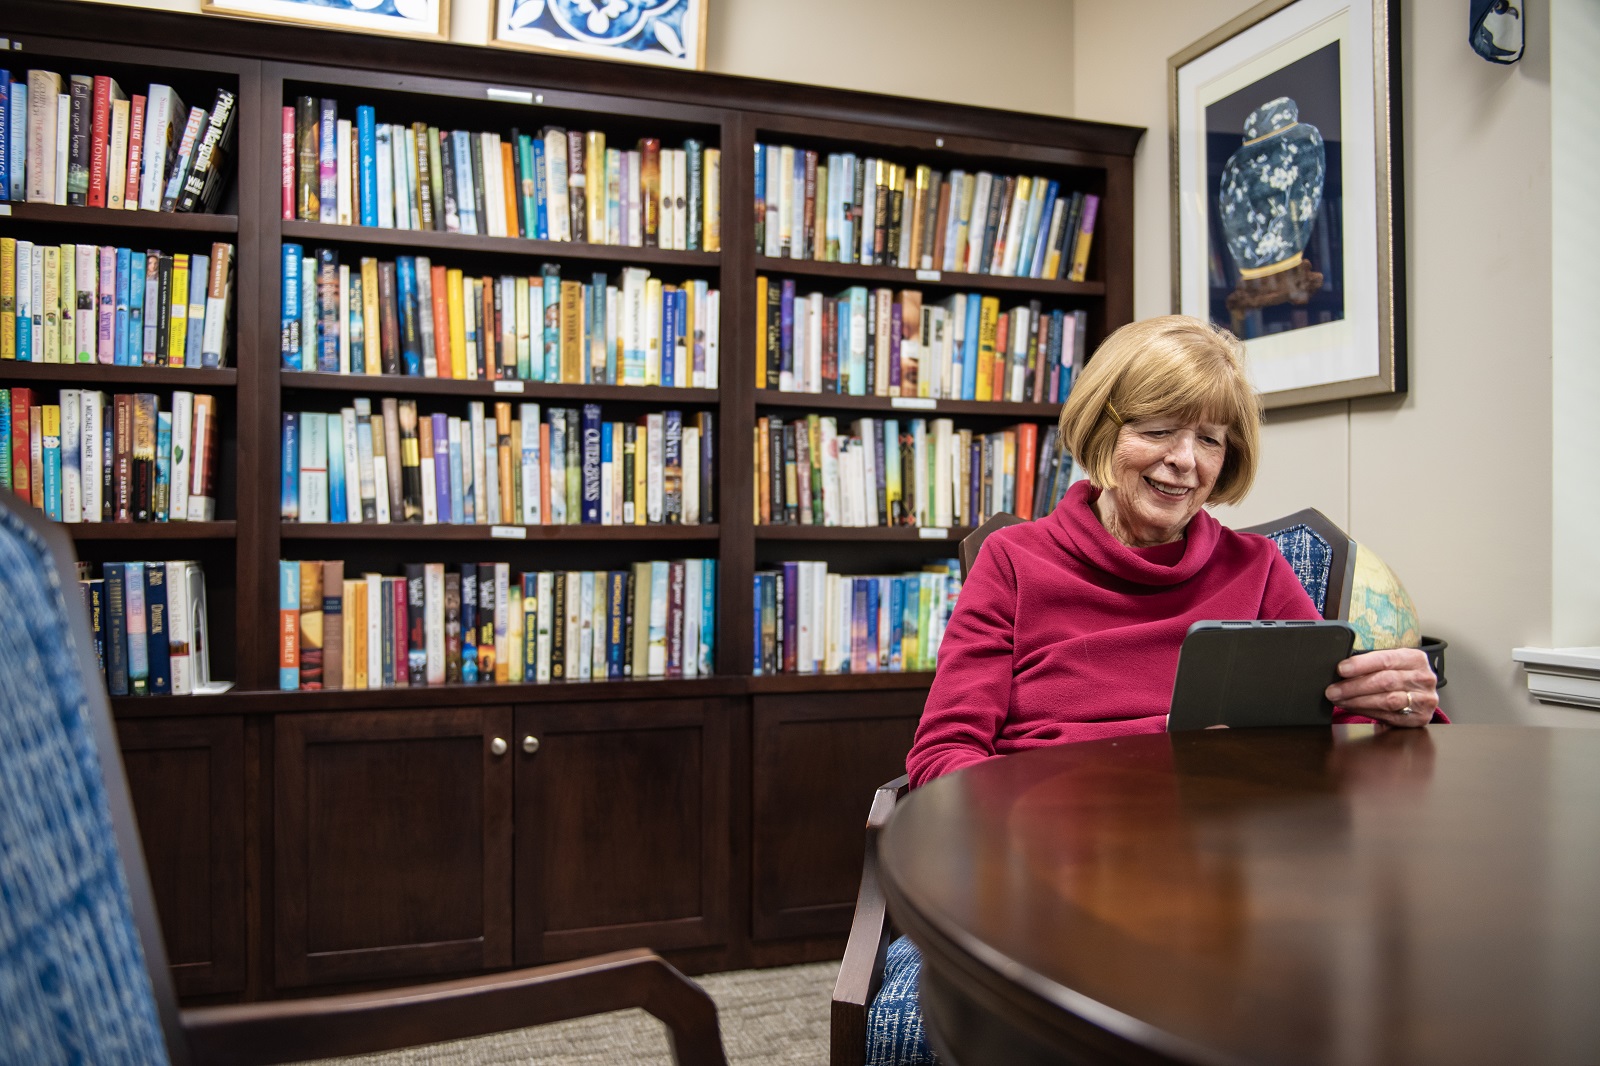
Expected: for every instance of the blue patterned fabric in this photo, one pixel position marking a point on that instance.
(894, 1020)
(73, 986)
(1309, 556)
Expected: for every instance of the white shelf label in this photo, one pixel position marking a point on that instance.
(510, 96)
(508, 532)
(934, 533)
(509, 386)
(914, 403)
(928, 275)
(5, 209)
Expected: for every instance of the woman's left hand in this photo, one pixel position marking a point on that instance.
(1395, 686)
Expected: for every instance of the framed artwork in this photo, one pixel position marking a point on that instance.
(1286, 212)
(425, 19)
(668, 33)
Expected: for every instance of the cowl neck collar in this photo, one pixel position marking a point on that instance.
(1075, 527)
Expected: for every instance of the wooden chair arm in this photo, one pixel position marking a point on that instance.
(367, 1022)
(861, 971)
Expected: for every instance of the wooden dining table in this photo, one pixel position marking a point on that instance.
(1353, 896)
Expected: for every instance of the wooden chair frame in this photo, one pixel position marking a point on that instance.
(1341, 571)
(861, 971)
(363, 1022)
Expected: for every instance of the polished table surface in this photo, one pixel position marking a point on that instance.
(1261, 896)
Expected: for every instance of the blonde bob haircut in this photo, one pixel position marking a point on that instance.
(1171, 367)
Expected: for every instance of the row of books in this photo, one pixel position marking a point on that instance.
(878, 342)
(809, 621)
(557, 185)
(479, 623)
(93, 146)
(560, 466)
(845, 208)
(88, 303)
(148, 621)
(888, 472)
(412, 317)
(89, 458)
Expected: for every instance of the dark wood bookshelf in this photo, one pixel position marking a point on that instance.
(109, 218)
(509, 533)
(152, 531)
(313, 233)
(856, 274)
(903, 407)
(150, 377)
(756, 785)
(862, 533)
(389, 384)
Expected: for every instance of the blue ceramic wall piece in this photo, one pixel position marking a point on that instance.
(1271, 189)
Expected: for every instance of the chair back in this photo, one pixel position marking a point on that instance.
(1320, 554)
(974, 540)
(83, 971)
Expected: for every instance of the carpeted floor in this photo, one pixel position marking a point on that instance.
(775, 1017)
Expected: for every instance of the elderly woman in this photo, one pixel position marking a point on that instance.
(1069, 627)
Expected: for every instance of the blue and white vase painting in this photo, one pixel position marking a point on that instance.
(665, 32)
(1275, 216)
(1271, 189)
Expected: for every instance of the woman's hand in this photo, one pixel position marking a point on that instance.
(1394, 686)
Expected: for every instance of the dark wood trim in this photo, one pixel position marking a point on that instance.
(801, 683)
(106, 218)
(318, 233)
(855, 274)
(862, 533)
(151, 377)
(533, 534)
(770, 399)
(151, 531)
(515, 391)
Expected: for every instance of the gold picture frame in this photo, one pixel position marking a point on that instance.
(429, 22)
(1284, 140)
(667, 33)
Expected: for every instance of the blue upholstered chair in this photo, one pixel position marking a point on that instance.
(1321, 554)
(83, 972)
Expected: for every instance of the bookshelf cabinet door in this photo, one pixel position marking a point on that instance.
(816, 760)
(392, 844)
(186, 778)
(622, 827)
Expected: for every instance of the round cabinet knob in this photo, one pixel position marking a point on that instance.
(498, 745)
(530, 744)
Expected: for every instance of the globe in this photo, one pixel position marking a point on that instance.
(1381, 610)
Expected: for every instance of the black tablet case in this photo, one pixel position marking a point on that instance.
(1243, 674)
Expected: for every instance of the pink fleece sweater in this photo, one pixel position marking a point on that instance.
(1063, 633)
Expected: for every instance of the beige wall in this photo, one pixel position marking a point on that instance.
(917, 48)
(1451, 483)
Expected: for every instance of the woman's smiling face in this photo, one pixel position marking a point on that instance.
(1163, 472)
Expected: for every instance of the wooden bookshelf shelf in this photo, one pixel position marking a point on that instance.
(151, 377)
(862, 533)
(808, 683)
(506, 534)
(108, 218)
(389, 385)
(856, 274)
(829, 401)
(152, 531)
(313, 233)
(712, 790)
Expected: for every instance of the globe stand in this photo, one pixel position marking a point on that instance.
(1293, 286)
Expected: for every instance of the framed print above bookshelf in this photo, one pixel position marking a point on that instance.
(427, 20)
(1286, 207)
(668, 33)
